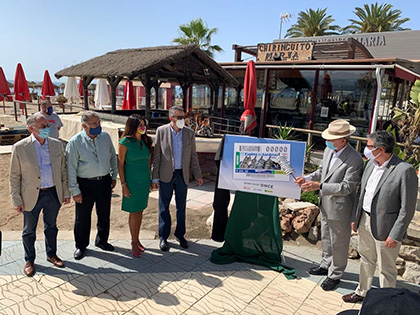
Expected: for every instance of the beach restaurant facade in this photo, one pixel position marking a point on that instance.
(308, 82)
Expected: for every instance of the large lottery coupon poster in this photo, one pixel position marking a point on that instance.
(252, 165)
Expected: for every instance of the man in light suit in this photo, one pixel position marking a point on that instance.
(337, 180)
(173, 156)
(386, 206)
(38, 181)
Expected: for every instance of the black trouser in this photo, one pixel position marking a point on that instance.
(220, 205)
(93, 192)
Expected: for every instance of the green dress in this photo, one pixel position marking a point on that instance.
(137, 175)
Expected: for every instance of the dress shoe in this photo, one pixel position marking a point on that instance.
(318, 271)
(29, 269)
(182, 242)
(163, 244)
(108, 247)
(329, 284)
(56, 261)
(352, 298)
(79, 253)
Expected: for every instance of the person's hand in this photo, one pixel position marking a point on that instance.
(78, 198)
(66, 200)
(353, 227)
(114, 183)
(19, 209)
(199, 181)
(299, 181)
(125, 191)
(155, 185)
(390, 243)
(310, 185)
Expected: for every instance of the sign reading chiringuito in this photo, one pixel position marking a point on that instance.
(285, 51)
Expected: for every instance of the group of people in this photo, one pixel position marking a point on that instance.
(378, 201)
(43, 176)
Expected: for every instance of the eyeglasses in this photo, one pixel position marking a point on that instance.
(44, 126)
(371, 147)
(179, 117)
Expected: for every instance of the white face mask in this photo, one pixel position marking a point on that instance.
(180, 123)
(369, 153)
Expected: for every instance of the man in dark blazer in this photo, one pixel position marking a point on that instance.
(173, 156)
(337, 180)
(386, 206)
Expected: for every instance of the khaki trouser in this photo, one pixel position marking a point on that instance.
(373, 251)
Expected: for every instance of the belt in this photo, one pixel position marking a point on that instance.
(97, 177)
(47, 188)
(178, 170)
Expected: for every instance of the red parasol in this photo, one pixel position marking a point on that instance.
(4, 88)
(20, 88)
(250, 98)
(81, 88)
(47, 86)
(129, 96)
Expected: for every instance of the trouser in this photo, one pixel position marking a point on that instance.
(178, 184)
(49, 203)
(96, 192)
(220, 205)
(372, 251)
(335, 238)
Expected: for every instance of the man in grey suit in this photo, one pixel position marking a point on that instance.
(337, 180)
(386, 206)
(173, 156)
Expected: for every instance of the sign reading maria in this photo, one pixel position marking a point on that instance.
(285, 51)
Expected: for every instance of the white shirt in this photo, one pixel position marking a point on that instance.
(372, 183)
(334, 157)
(44, 162)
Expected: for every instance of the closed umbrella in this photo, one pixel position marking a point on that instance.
(250, 98)
(101, 94)
(81, 89)
(71, 91)
(129, 96)
(4, 88)
(47, 86)
(20, 88)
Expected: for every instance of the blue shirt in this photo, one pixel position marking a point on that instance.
(44, 162)
(177, 148)
(87, 158)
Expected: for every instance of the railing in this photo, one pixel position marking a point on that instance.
(23, 106)
(225, 125)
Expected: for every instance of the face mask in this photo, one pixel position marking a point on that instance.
(49, 110)
(95, 131)
(44, 133)
(369, 153)
(141, 130)
(180, 123)
(330, 145)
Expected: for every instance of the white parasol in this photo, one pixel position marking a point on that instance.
(101, 94)
(71, 91)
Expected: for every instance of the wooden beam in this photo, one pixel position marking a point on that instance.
(86, 81)
(113, 82)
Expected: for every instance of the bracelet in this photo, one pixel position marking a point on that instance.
(123, 183)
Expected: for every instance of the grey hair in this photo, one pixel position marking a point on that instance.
(173, 109)
(31, 120)
(383, 139)
(45, 102)
(87, 114)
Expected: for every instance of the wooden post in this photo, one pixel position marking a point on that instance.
(113, 82)
(314, 94)
(86, 81)
(15, 109)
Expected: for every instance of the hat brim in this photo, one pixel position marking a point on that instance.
(327, 136)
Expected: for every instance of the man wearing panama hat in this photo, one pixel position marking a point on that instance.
(336, 179)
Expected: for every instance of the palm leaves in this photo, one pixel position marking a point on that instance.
(376, 18)
(196, 32)
(313, 23)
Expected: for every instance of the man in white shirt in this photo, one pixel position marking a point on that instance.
(52, 118)
(386, 206)
(337, 180)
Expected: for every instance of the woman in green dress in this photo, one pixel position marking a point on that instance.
(134, 161)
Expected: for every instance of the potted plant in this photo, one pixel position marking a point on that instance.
(61, 99)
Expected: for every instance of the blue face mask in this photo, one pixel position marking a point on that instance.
(95, 131)
(44, 133)
(49, 110)
(330, 145)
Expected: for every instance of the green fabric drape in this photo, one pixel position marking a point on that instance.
(253, 234)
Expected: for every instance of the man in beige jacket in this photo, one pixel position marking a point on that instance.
(38, 181)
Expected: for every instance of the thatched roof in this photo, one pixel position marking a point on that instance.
(166, 62)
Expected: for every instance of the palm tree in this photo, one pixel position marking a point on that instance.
(196, 32)
(313, 23)
(376, 18)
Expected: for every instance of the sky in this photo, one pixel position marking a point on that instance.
(53, 35)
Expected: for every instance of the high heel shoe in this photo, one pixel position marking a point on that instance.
(141, 247)
(136, 253)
